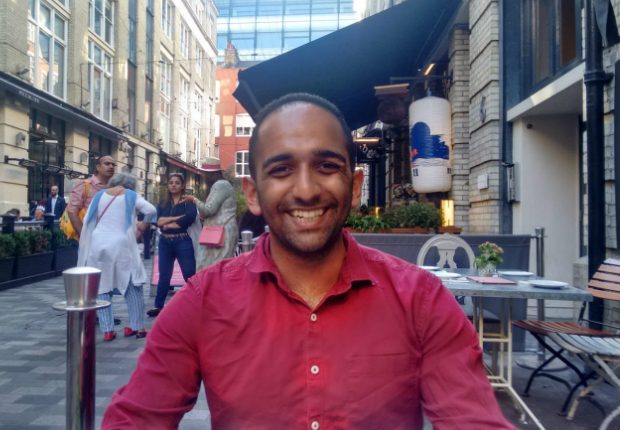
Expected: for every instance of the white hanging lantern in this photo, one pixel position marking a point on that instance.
(430, 143)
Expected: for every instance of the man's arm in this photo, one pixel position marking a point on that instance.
(455, 390)
(167, 378)
(76, 202)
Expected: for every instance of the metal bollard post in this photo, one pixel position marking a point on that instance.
(246, 241)
(81, 286)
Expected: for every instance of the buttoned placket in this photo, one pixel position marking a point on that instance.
(316, 381)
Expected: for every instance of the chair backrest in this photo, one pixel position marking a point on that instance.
(446, 245)
(605, 284)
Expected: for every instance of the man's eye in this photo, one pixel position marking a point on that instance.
(281, 170)
(328, 166)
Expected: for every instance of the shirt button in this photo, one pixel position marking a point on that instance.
(313, 317)
(315, 425)
(314, 369)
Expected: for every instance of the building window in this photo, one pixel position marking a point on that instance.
(165, 94)
(101, 19)
(197, 138)
(100, 81)
(150, 19)
(198, 60)
(166, 17)
(133, 36)
(148, 108)
(184, 94)
(131, 97)
(244, 125)
(242, 163)
(185, 37)
(47, 34)
(198, 103)
(552, 35)
(183, 134)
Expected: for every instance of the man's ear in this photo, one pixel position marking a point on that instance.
(358, 181)
(251, 195)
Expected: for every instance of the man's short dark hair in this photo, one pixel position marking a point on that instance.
(98, 159)
(300, 98)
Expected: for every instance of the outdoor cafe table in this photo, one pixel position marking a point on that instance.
(502, 378)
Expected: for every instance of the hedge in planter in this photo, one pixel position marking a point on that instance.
(412, 215)
(7, 256)
(65, 251)
(32, 252)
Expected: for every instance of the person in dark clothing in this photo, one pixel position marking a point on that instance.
(55, 204)
(174, 218)
(255, 223)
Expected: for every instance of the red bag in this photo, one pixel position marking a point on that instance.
(212, 235)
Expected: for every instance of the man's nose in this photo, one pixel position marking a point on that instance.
(306, 186)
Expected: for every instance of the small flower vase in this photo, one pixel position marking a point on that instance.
(488, 269)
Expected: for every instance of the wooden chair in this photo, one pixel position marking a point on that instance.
(569, 336)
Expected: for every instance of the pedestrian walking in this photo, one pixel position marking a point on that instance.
(174, 216)
(108, 242)
(220, 210)
(84, 191)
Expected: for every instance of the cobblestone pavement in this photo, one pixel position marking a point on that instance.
(32, 369)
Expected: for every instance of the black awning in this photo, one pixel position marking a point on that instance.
(39, 99)
(345, 65)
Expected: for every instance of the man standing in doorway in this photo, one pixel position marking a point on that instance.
(310, 330)
(81, 197)
(55, 203)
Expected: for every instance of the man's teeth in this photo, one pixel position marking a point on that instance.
(308, 215)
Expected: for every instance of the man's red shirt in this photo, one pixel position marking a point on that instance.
(387, 342)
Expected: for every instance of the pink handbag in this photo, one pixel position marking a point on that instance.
(212, 235)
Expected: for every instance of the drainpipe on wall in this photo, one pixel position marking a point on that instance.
(594, 80)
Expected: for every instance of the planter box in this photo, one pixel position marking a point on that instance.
(34, 264)
(65, 258)
(6, 268)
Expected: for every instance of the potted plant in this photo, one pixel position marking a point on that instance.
(415, 217)
(490, 257)
(7, 256)
(65, 251)
(32, 252)
(362, 223)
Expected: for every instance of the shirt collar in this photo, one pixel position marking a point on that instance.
(354, 267)
(94, 180)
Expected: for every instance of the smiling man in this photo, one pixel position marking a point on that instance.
(310, 330)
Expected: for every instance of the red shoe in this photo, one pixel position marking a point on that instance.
(127, 331)
(109, 335)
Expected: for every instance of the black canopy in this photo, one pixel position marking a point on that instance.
(345, 65)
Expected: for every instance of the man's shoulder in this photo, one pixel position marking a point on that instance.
(227, 273)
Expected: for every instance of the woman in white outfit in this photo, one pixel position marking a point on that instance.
(108, 242)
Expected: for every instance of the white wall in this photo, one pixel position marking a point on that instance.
(547, 152)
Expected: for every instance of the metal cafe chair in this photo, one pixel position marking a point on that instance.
(446, 245)
(574, 337)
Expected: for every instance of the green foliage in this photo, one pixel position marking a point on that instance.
(40, 241)
(365, 223)
(60, 240)
(22, 243)
(414, 214)
(490, 255)
(7, 245)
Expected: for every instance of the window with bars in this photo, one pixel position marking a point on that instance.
(46, 47)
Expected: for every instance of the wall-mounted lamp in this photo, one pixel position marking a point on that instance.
(447, 212)
(161, 170)
(22, 71)
(24, 162)
(20, 139)
(64, 171)
(429, 69)
(83, 157)
(50, 168)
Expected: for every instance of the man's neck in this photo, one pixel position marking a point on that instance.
(101, 179)
(311, 277)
